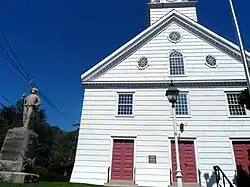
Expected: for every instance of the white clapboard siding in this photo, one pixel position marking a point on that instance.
(152, 126)
(194, 50)
(224, 158)
(157, 13)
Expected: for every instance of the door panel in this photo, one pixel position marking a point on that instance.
(242, 155)
(187, 161)
(122, 160)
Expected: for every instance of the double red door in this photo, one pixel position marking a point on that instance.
(242, 155)
(122, 160)
(187, 161)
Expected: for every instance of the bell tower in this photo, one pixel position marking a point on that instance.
(159, 8)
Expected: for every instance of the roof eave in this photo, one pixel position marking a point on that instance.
(120, 50)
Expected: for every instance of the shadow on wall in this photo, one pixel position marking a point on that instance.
(241, 179)
(210, 180)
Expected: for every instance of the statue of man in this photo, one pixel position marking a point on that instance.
(30, 103)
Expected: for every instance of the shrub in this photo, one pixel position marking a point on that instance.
(45, 175)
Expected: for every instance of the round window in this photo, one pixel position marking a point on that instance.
(143, 63)
(174, 36)
(211, 61)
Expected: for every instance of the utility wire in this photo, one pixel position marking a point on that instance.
(52, 105)
(7, 100)
(3, 105)
(12, 63)
(26, 75)
(14, 54)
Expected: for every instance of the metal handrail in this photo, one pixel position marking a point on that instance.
(134, 174)
(108, 174)
(170, 176)
(199, 175)
(218, 172)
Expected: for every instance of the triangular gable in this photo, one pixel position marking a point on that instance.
(148, 34)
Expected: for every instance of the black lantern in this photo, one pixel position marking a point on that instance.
(172, 93)
(182, 127)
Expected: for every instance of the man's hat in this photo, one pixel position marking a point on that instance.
(35, 89)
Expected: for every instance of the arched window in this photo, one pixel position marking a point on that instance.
(176, 63)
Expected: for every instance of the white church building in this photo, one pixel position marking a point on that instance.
(126, 131)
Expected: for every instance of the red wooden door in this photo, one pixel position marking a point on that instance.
(187, 161)
(122, 160)
(242, 155)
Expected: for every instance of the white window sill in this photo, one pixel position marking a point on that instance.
(177, 75)
(124, 116)
(182, 116)
(245, 116)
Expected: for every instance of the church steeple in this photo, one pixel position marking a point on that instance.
(159, 8)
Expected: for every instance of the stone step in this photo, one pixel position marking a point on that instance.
(121, 183)
(186, 185)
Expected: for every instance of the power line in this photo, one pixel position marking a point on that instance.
(27, 76)
(52, 105)
(14, 54)
(3, 105)
(12, 63)
(7, 100)
(8, 57)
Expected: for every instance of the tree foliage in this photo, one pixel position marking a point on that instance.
(244, 98)
(56, 148)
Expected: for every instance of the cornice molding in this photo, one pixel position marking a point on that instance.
(211, 40)
(155, 29)
(173, 5)
(164, 84)
(130, 51)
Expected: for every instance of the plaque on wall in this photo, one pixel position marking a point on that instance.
(152, 159)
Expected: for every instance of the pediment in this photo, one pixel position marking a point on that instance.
(151, 32)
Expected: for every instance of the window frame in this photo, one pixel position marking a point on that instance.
(188, 110)
(188, 107)
(117, 103)
(207, 64)
(172, 41)
(184, 64)
(228, 110)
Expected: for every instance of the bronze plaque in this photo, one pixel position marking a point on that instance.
(152, 159)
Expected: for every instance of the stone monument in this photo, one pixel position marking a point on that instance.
(18, 152)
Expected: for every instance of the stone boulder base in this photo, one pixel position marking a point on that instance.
(18, 154)
(18, 177)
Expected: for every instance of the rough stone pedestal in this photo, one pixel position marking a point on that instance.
(17, 156)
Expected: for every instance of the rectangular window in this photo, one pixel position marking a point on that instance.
(125, 104)
(176, 68)
(182, 104)
(235, 109)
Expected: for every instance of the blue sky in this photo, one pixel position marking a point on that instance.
(58, 40)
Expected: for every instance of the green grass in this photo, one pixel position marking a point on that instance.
(48, 184)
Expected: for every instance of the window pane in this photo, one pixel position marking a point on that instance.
(181, 104)
(125, 104)
(235, 109)
(176, 63)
